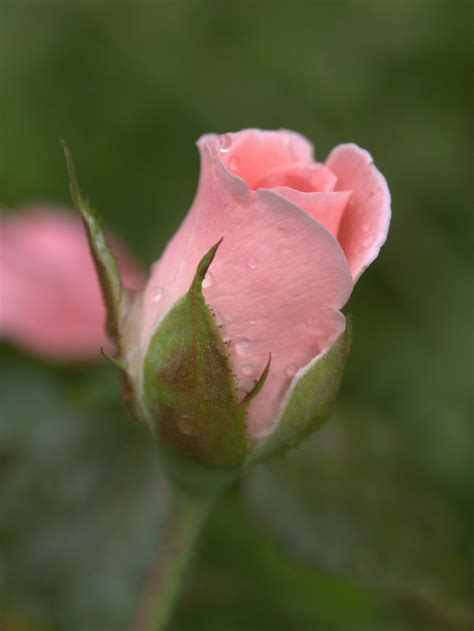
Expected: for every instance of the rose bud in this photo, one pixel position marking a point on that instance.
(50, 302)
(260, 268)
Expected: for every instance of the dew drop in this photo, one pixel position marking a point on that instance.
(157, 294)
(247, 385)
(225, 143)
(368, 241)
(226, 339)
(242, 347)
(234, 163)
(366, 227)
(185, 425)
(247, 370)
(291, 370)
(208, 279)
(252, 262)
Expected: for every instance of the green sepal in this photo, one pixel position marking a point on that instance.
(105, 263)
(309, 400)
(259, 385)
(117, 361)
(188, 394)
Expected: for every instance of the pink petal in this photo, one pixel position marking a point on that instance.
(365, 224)
(252, 153)
(301, 177)
(276, 284)
(327, 208)
(50, 301)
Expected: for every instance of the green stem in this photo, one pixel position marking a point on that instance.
(185, 517)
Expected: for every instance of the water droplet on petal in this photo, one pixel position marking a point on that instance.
(225, 143)
(247, 385)
(157, 294)
(291, 370)
(227, 317)
(208, 279)
(366, 227)
(252, 262)
(185, 425)
(226, 339)
(368, 241)
(242, 347)
(234, 163)
(247, 370)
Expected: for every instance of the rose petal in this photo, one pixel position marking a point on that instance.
(327, 208)
(276, 284)
(254, 152)
(365, 224)
(300, 176)
(50, 301)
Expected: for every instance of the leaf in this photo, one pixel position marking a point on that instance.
(188, 387)
(309, 400)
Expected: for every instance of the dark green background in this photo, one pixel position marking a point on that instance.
(366, 527)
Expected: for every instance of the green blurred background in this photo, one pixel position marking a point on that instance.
(366, 527)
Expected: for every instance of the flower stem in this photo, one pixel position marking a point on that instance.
(185, 517)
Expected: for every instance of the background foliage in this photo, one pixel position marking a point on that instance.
(364, 528)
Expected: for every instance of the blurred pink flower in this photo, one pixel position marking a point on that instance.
(297, 234)
(50, 301)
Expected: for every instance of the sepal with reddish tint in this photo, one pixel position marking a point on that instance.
(104, 260)
(189, 395)
(123, 306)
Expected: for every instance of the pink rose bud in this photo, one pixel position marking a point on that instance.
(50, 302)
(261, 267)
